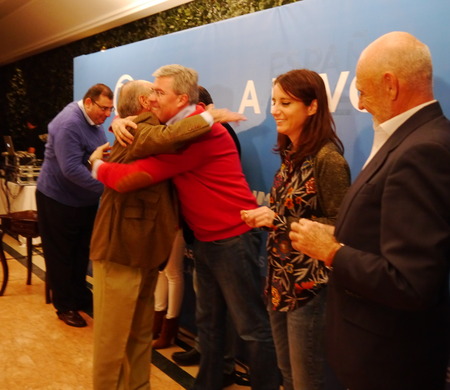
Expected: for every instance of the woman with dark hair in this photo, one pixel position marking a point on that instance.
(310, 183)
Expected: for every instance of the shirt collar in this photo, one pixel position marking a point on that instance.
(394, 123)
(89, 120)
(185, 112)
(383, 131)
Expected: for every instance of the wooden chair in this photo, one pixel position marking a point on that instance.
(23, 223)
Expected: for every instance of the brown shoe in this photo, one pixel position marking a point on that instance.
(72, 318)
(158, 319)
(168, 334)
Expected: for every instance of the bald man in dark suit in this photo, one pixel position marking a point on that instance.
(388, 308)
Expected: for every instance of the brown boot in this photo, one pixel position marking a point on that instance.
(168, 334)
(158, 319)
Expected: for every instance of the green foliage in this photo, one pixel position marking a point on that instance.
(43, 84)
(16, 96)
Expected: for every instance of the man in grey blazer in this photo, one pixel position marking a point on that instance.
(388, 308)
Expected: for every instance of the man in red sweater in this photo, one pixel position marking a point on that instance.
(212, 190)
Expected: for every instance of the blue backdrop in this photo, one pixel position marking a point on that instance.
(238, 58)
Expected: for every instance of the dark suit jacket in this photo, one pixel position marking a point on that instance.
(387, 315)
(137, 228)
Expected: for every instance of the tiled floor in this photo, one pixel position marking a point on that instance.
(40, 352)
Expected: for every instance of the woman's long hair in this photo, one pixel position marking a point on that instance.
(319, 129)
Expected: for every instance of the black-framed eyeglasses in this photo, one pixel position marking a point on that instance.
(103, 108)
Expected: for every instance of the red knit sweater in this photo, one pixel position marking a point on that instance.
(208, 176)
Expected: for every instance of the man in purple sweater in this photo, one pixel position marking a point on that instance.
(67, 200)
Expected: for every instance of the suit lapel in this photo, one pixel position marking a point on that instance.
(416, 121)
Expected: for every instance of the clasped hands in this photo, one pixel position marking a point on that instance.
(315, 240)
(259, 217)
(312, 238)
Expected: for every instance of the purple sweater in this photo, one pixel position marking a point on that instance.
(64, 176)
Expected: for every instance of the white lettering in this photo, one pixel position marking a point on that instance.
(333, 100)
(354, 96)
(249, 98)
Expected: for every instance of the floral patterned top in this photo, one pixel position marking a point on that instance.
(313, 190)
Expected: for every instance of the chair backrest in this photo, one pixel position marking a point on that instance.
(9, 145)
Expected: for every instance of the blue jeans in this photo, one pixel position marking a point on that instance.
(229, 361)
(299, 342)
(228, 279)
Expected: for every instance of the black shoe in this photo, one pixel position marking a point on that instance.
(72, 318)
(188, 358)
(241, 378)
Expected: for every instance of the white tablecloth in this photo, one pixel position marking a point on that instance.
(20, 197)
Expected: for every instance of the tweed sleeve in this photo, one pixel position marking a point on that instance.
(155, 138)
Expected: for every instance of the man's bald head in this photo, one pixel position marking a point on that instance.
(134, 97)
(394, 73)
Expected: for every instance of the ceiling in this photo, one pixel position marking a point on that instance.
(29, 27)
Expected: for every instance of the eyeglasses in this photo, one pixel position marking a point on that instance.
(103, 108)
(160, 93)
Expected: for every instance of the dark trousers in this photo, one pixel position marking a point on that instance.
(228, 281)
(66, 233)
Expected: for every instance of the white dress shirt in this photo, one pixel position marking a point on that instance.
(384, 130)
